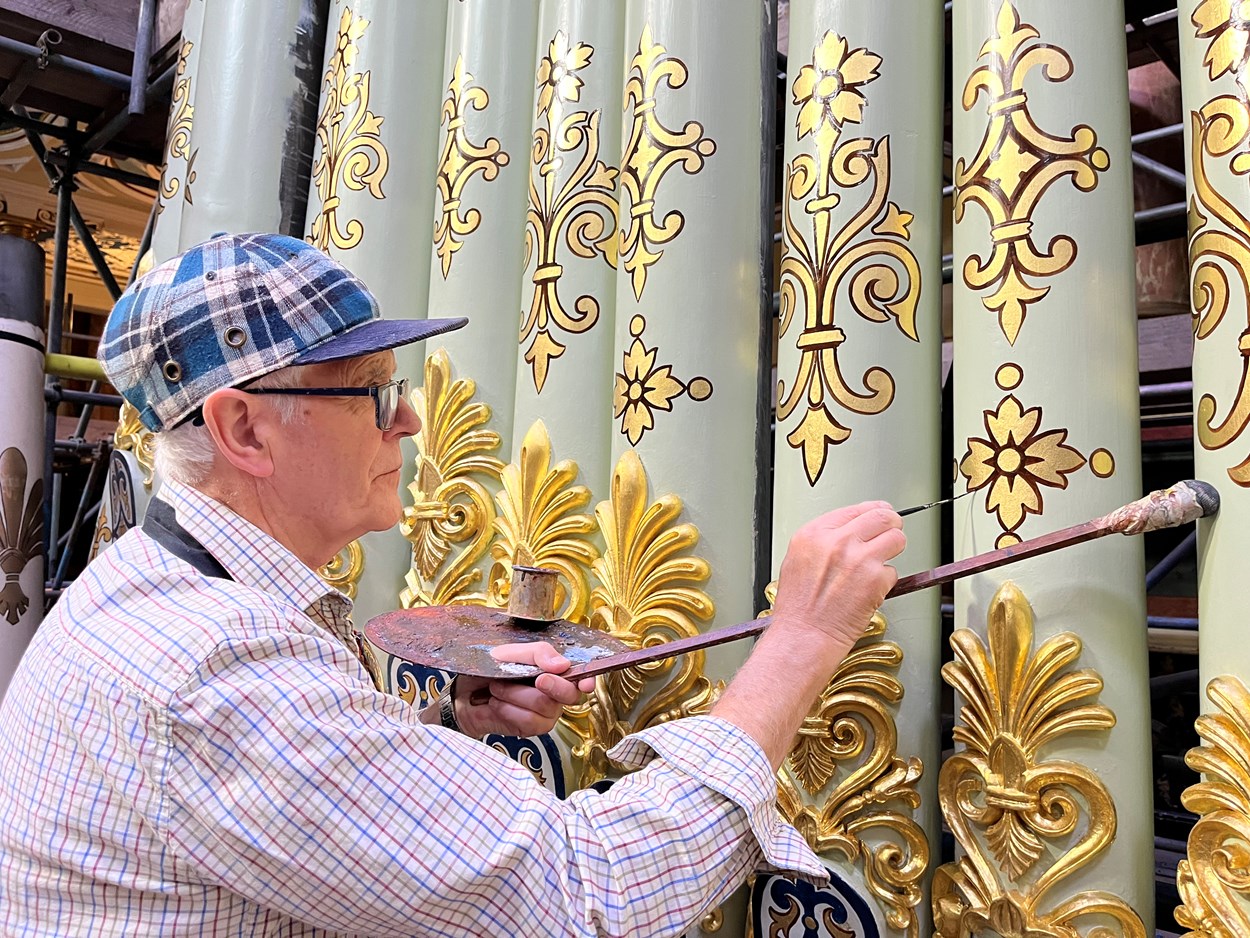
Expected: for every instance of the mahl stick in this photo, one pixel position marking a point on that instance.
(1167, 508)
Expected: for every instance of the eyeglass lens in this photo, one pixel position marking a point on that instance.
(388, 402)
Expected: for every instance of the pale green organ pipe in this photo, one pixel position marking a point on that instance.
(859, 356)
(477, 254)
(372, 196)
(1046, 433)
(567, 297)
(177, 174)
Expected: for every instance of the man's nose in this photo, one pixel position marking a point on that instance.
(406, 420)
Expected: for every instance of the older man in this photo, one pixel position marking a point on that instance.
(193, 745)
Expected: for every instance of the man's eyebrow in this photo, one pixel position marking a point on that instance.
(378, 373)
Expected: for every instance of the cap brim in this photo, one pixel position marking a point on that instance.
(377, 335)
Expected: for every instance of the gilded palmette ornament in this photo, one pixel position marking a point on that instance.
(1025, 823)
(1013, 167)
(1214, 882)
(867, 256)
(450, 520)
(849, 740)
(651, 149)
(132, 435)
(572, 197)
(350, 151)
(460, 161)
(539, 525)
(648, 592)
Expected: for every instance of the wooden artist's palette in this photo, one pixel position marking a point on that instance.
(460, 638)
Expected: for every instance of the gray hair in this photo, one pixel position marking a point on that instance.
(185, 453)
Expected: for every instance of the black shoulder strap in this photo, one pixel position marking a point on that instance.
(160, 523)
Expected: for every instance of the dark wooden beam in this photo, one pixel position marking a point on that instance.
(111, 22)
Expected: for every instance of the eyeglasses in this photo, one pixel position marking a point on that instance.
(386, 397)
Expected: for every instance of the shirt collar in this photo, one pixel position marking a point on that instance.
(255, 558)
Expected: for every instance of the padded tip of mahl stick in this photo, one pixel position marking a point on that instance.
(1205, 495)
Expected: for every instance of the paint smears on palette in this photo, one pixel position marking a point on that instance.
(460, 639)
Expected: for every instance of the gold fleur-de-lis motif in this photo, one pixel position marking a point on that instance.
(651, 150)
(452, 505)
(539, 525)
(852, 727)
(461, 159)
(1219, 232)
(578, 202)
(1014, 166)
(1025, 824)
(642, 387)
(814, 267)
(21, 530)
(350, 148)
(181, 114)
(1015, 460)
(1214, 881)
(648, 592)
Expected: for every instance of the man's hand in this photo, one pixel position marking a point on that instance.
(835, 575)
(513, 708)
(836, 571)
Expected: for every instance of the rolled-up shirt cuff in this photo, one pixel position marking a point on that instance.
(721, 756)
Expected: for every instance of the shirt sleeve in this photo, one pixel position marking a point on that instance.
(293, 784)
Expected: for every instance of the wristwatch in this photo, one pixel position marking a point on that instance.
(447, 707)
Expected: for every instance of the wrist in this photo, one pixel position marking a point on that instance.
(447, 708)
(820, 642)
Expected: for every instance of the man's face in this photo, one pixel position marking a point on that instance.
(333, 465)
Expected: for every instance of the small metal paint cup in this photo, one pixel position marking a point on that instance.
(533, 594)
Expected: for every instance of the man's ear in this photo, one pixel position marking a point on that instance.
(240, 426)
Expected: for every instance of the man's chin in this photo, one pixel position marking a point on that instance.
(386, 518)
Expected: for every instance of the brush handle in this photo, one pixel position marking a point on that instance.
(1182, 503)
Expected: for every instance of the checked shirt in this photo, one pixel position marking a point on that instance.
(188, 755)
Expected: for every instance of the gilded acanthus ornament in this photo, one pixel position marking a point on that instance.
(461, 159)
(651, 149)
(1214, 880)
(539, 525)
(452, 509)
(181, 114)
(350, 151)
(132, 435)
(1025, 824)
(1014, 166)
(849, 739)
(648, 593)
(868, 252)
(572, 197)
(1219, 231)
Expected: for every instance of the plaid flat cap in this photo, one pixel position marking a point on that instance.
(232, 309)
